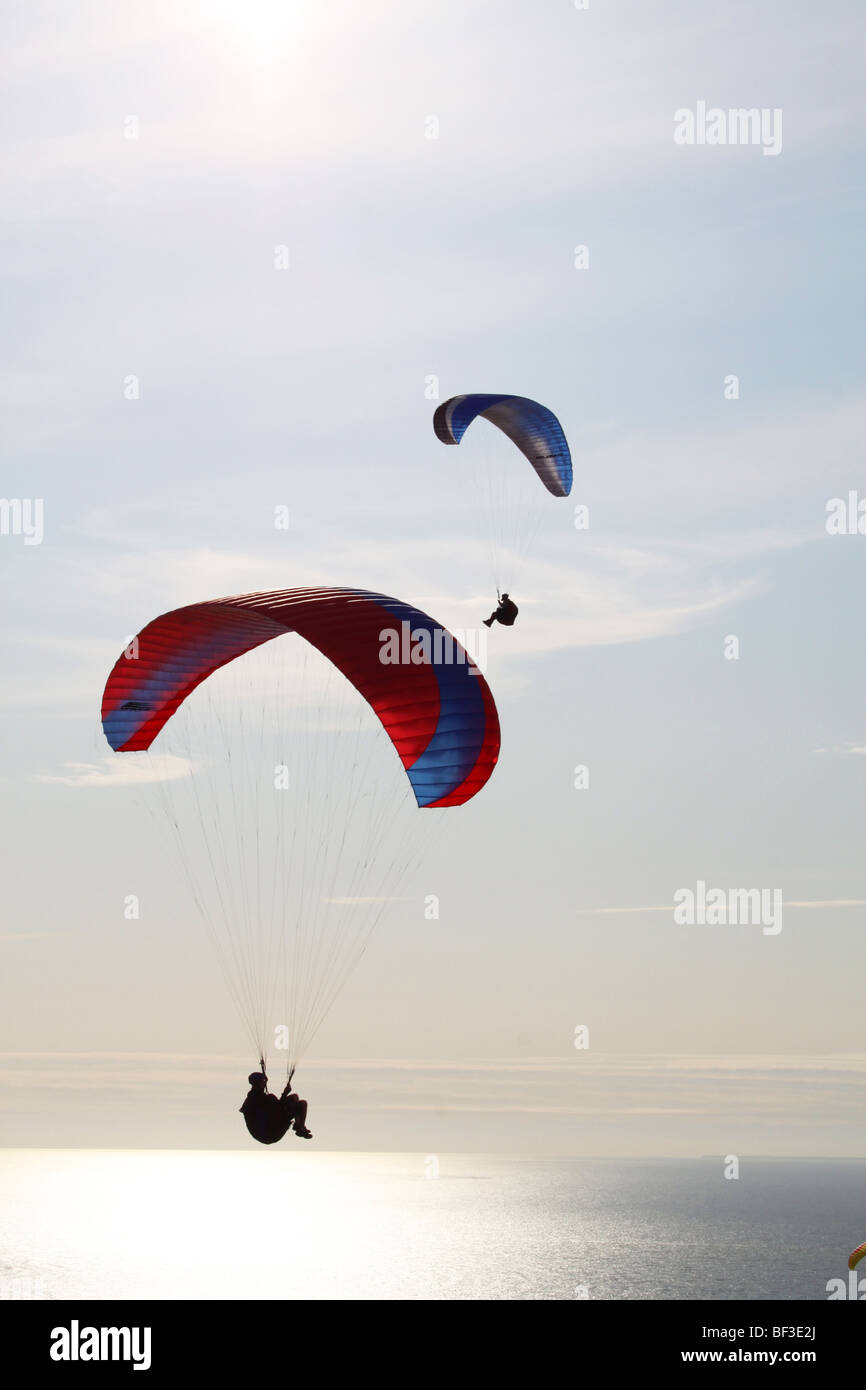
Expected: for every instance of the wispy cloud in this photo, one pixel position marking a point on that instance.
(773, 1103)
(601, 592)
(130, 770)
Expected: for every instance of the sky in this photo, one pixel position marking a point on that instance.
(428, 173)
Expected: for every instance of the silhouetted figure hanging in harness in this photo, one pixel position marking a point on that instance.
(269, 1117)
(504, 614)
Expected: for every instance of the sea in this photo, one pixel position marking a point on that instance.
(151, 1224)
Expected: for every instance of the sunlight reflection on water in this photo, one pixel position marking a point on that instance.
(295, 1225)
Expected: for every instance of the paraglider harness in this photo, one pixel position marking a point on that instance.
(265, 1075)
(506, 622)
(266, 1123)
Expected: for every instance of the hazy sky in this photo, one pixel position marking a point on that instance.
(305, 125)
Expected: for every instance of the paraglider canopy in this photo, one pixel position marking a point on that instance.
(294, 833)
(856, 1256)
(533, 428)
(429, 695)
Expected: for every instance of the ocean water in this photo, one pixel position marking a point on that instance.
(288, 1225)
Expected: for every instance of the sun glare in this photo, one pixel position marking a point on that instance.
(259, 29)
